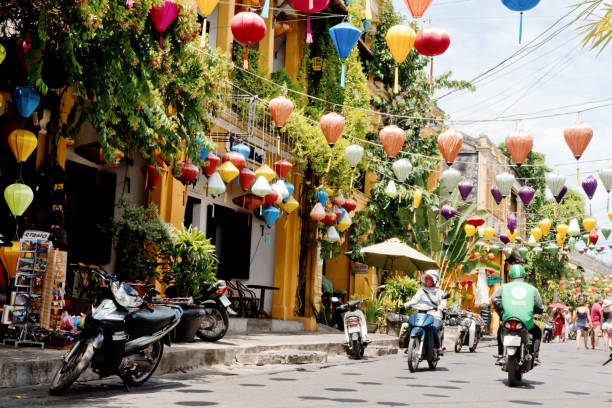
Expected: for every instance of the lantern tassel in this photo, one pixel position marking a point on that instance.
(245, 63)
(521, 28)
(329, 163)
(161, 47)
(343, 76)
(351, 185)
(203, 38)
(308, 31)
(577, 174)
(310, 4)
(431, 73)
(396, 83)
(368, 10)
(266, 9)
(213, 210)
(608, 204)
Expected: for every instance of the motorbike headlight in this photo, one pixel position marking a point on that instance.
(125, 295)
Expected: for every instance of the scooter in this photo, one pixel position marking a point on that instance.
(469, 333)
(217, 307)
(122, 336)
(355, 328)
(549, 328)
(518, 350)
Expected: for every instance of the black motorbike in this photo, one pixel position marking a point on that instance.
(122, 336)
(469, 333)
(217, 307)
(518, 350)
(549, 328)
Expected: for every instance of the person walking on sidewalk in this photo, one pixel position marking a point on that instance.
(606, 325)
(596, 318)
(582, 317)
(567, 318)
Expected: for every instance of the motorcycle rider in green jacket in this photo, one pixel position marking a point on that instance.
(522, 300)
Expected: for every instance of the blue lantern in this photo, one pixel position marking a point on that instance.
(343, 211)
(321, 196)
(366, 25)
(520, 5)
(203, 150)
(242, 149)
(290, 189)
(26, 100)
(344, 37)
(270, 215)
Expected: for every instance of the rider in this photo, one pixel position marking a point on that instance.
(523, 304)
(431, 296)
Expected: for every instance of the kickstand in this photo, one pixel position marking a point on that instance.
(126, 385)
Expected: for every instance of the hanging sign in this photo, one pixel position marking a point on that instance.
(360, 268)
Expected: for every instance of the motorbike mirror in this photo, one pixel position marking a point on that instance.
(446, 296)
(151, 293)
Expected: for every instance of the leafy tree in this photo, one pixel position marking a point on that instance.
(597, 31)
(572, 206)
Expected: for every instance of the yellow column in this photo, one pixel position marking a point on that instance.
(266, 46)
(224, 31)
(293, 48)
(170, 199)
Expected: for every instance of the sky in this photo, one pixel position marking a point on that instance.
(560, 72)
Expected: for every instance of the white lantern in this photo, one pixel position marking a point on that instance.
(332, 235)
(354, 153)
(261, 187)
(391, 190)
(281, 188)
(215, 185)
(574, 229)
(555, 183)
(450, 179)
(504, 183)
(606, 178)
(531, 241)
(402, 169)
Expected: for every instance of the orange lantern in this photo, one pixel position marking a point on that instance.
(578, 136)
(249, 201)
(392, 139)
(562, 282)
(332, 126)
(450, 143)
(519, 143)
(22, 143)
(417, 7)
(280, 110)
(9, 256)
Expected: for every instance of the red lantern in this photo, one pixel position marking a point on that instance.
(339, 200)
(273, 198)
(162, 17)
(152, 177)
(491, 256)
(248, 28)
(392, 139)
(236, 158)
(280, 110)
(247, 178)
(210, 164)
(317, 213)
(189, 172)
(431, 41)
(282, 168)
(349, 205)
(249, 201)
(417, 7)
(475, 221)
(329, 219)
(593, 236)
(336, 211)
(332, 126)
(309, 7)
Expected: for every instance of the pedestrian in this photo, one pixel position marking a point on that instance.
(596, 318)
(566, 324)
(606, 324)
(582, 318)
(559, 322)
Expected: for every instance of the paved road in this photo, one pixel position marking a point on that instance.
(568, 378)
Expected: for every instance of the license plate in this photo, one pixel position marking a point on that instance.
(354, 329)
(119, 336)
(512, 341)
(225, 301)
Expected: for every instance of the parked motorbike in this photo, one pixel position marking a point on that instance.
(518, 350)
(452, 316)
(571, 331)
(469, 333)
(122, 336)
(549, 329)
(355, 328)
(217, 307)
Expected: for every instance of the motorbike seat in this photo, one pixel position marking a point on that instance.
(157, 319)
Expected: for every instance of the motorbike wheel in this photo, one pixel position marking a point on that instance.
(433, 363)
(146, 362)
(413, 357)
(215, 323)
(473, 348)
(514, 373)
(458, 343)
(357, 349)
(70, 370)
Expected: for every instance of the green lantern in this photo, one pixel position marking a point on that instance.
(606, 232)
(494, 249)
(585, 238)
(572, 243)
(523, 252)
(508, 251)
(18, 197)
(537, 251)
(2, 53)
(552, 249)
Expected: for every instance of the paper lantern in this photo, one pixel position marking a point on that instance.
(536, 233)
(282, 168)
(578, 136)
(392, 138)
(290, 205)
(332, 126)
(309, 7)
(489, 233)
(504, 183)
(504, 238)
(512, 235)
(572, 243)
(228, 171)
(18, 197)
(605, 231)
(400, 40)
(242, 149)
(391, 190)
(512, 222)
(470, 230)
(317, 213)
(22, 143)
(589, 185)
(350, 204)
(588, 224)
(475, 220)
(210, 164)
(593, 236)
(562, 230)
(449, 180)
(339, 199)
(152, 175)
(25, 100)
(521, 6)
(494, 249)
(189, 172)
(449, 143)
(447, 211)
(344, 36)
(215, 185)
(237, 159)
(280, 110)
(416, 198)
(605, 175)
(585, 239)
(560, 240)
(338, 212)
(431, 41)
(261, 187)
(344, 223)
(246, 178)
(248, 28)
(332, 235)
(519, 143)
(290, 189)
(354, 153)
(10, 257)
(508, 252)
(270, 215)
(526, 194)
(465, 188)
(203, 150)
(610, 215)
(265, 171)
(555, 182)
(273, 198)
(545, 225)
(329, 219)
(2, 53)
(417, 7)
(561, 194)
(205, 7)
(281, 188)
(163, 16)
(497, 195)
(321, 196)
(523, 252)
(248, 201)
(402, 169)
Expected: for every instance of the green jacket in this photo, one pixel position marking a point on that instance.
(518, 299)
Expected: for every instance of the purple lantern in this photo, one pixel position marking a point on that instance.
(504, 238)
(465, 188)
(447, 211)
(526, 193)
(561, 194)
(589, 185)
(497, 195)
(512, 222)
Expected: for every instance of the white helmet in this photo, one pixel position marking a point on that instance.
(433, 273)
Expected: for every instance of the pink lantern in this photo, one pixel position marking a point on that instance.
(162, 17)
(309, 7)
(248, 28)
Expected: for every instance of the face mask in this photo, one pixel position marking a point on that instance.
(429, 283)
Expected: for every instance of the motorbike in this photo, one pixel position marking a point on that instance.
(217, 309)
(469, 333)
(518, 350)
(122, 336)
(355, 328)
(452, 316)
(549, 329)
(571, 331)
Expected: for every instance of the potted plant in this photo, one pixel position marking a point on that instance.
(190, 267)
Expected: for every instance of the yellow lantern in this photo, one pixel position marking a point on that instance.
(400, 40)
(22, 142)
(536, 233)
(265, 171)
(588, 223)
(206, 8)
(489, 233)
(228, 171)
(512, 235)
(18, 197)
(291, 205)
(416, 199)
(470, 230)
(344, 223)
(562, 231)
(560, 240)
(545, 225)
(610, 215)
(9, 256)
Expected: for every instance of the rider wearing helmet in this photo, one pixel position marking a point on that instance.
(509, 302)
(431, 297)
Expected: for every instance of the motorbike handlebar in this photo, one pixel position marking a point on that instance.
(610, 359)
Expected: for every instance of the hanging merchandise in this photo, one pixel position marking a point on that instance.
(417, 7)
(562, 230)
(344, 36)
(494, 249)
(545, 225)
(344, 223)
(281, 188)
(555, 183)
(248, 201)
(205, 8)
(536, 233)
(552, 249)
(338, 212)
(392, 138)
(339, 199)
(508, 252)
(210, 164)
(266, 171)
(520, 5)
(526, 194)
(215, 185)
(162, 17)
(261, 187)
(512, 222)
(489, 233)
(332, 235)
(22, 143)
(400, 40)
(450, 143)
(416, 198)
(366, 25)
(242, 149)
(10, 258)
(504, 238)
(329, 219)
(290, 189)
(270, 215)
(280, 110)
(2, 53)
(589, 185)
(203, 150)
(290, 205)
(228, 171)
(189, 172)
(574, 228)
(585, 239)
(475, 220)
(332, 126)
(402, 169)
(497, 195)
(246, 178)
(247, 28)
(354, 153)
(504, 183)
(236, 158)
(309, 7)
(18, 197)
(605, 175)
(512, 235)
(523, 252)
(152, 176)
(588, 223)
(391, 190)
(317, 213)
(447, 211)
(25, 100)
(561, 194)
(519, 143)
(470, 230)
(465, 188)
(431, 41)
(560, 240)
(273, 198)
(578, 136)
(321, 196)
(450, 179)
(282, 168)
(531, 242)
(350, 205)
(605, 231)
(593, 236)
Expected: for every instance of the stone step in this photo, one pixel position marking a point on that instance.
(282, 357)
